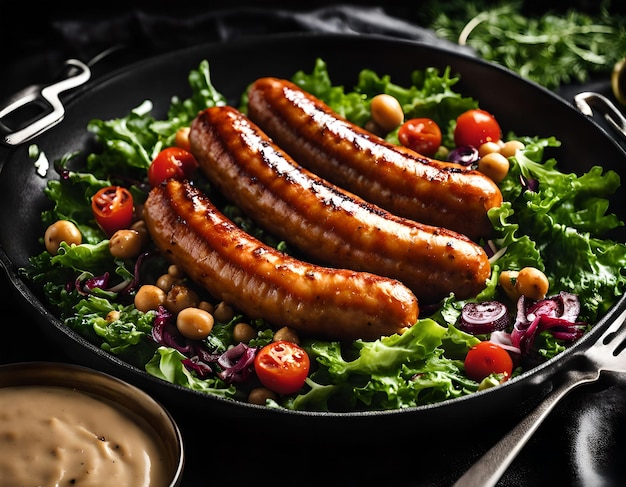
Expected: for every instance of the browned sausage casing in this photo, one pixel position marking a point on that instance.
(397, 179)
(330, 225)
(264, 283)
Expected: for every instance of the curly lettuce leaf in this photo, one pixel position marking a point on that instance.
(391, 372)
(130, 143)
(167, 364)
(556, 224)
(429, 95)
(118, 328)
(351, 105)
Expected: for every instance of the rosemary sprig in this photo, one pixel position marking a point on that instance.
(551, 49)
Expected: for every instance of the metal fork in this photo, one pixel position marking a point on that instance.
(606, 355)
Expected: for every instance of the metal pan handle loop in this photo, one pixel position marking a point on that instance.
(46, 97)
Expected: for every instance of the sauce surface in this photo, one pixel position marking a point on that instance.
(57, 436)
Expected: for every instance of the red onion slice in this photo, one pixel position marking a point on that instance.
(485, 317)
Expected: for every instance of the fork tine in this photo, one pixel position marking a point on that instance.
(615, 329)
(606, 352)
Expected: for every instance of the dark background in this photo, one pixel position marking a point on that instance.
(37, 38)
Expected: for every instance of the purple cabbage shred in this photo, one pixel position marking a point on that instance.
(529, 184)
(557, 314)
(464, 154)
(85, 286)
(236, 364)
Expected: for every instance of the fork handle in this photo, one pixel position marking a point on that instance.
(491, 466)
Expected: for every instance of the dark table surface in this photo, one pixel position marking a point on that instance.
(583, 442)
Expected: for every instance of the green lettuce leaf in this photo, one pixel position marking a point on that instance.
(391, 372)
(167, 364)
(559, 226)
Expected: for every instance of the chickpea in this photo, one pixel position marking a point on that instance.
(194, 323)
(61, 231)
(243, 332)
(206, 306)
(181, 138)
(167, 281)
(180, 297)
(223, 313)
(140, 227)
(112, 316)
(175, 271)
(494, 165)
(532, 283)
(287, 334)
(372, 127)
(488, 148)
(260, 395)
(386, 112)
(138, 212)
(511, 147)
(507, 281)
(149, 297)
(125, 244)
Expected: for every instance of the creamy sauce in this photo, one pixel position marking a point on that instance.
(57, 436)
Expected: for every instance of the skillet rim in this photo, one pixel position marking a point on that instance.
(532, 377)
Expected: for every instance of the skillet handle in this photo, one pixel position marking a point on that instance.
(491, 466)
(47, 99)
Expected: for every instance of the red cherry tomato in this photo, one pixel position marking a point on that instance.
(475, 127)
(282, 366)
(113, 208)
(422, 135)
(171, 162)
(487, 358)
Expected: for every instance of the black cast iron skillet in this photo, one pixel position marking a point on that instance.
(522, 107)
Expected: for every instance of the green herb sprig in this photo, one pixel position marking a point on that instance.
(551, 48)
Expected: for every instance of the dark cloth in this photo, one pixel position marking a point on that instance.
(38, 47)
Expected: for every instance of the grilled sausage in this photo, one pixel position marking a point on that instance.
(330, 225)
(395, 178)
(264, 283)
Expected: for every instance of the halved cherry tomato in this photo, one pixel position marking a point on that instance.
(171, 162)
(475, 127)
(282, 366)
(487, 358)
(113, 208)
(422, 135)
